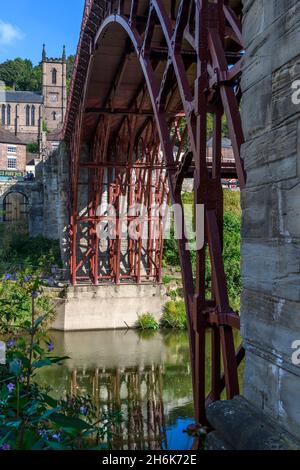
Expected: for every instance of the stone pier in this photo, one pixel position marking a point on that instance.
(270, 310)
(108, 306)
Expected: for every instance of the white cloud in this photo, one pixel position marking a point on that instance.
(9, 33)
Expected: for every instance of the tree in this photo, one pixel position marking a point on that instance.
(33, 147)
(21, 75)
(70, 65)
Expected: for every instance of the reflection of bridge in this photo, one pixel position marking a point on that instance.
(138, 394)
(147, 74)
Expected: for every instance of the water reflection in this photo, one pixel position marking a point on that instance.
(146, 376)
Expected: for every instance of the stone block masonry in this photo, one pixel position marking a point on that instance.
(271, 209)
(108, 306)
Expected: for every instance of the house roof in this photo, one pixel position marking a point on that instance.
(21, 97)
(7, 137)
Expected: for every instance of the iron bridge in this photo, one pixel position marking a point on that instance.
(147, 75)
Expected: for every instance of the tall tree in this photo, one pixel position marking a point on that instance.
(70, 65)
(20, 74)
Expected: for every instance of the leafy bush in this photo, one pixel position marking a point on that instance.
(30, 418)
(18, 251)
(167, 279)
(147, 321)
(174, 315)
(173, 294)
(16, 302)
(171, 254)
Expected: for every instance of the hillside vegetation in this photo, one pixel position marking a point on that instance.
(231, 251)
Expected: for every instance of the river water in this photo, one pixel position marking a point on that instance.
(146, 375)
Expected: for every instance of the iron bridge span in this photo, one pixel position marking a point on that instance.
(147, 75)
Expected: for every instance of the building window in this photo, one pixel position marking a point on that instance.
(3, 110)
(11, 149)
(12, 163)
(33, 115)
(54, 77)
(54, 116)
(27, 115)
(8, 114)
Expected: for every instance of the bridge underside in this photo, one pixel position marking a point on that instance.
(148, 75)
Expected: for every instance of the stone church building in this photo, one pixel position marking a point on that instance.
(27, 117)
(27, 114)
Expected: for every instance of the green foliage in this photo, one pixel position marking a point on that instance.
(231, 251)
(171, 255)
(30, 418)
(16, 302)
(232, 202)
(174, 315)
(210, 127)
(70, 65)
(147, 321)
(167, 279)
(45, 127)
(18, 251)
(232, 257)
(175, 293)
(21, 75)
(33, 147)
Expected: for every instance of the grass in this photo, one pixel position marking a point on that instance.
(146, 321)
(174, 315)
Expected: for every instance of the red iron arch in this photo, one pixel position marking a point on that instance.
(190, 53)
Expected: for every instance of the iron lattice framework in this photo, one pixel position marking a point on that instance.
(147, 75)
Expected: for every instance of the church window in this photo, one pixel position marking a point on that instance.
(3, 109)
(33, 115)
(8, 115)
(27, 115)
(54, 77)
(54, 116)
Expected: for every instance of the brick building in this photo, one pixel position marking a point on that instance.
(12, 155)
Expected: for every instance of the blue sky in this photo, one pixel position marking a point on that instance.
(26, 24)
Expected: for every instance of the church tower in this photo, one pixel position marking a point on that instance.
(54, 89)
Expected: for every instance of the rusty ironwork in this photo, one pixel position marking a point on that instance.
(147, 75)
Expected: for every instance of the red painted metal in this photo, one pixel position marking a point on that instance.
(182, 59)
